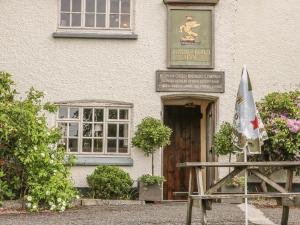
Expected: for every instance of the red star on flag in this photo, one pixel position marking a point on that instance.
(255, 123)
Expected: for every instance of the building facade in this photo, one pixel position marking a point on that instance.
(100, 60)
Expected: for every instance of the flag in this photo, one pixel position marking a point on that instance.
(249, 131)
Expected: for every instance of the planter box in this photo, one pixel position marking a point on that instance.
(102, 202)
(13, 204)
(150, 192)
(232, 189)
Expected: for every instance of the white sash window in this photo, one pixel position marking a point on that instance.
(96, 14)
(95, 130)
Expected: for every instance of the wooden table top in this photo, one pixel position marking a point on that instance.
(241, 164)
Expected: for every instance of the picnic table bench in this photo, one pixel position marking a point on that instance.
(205, 197)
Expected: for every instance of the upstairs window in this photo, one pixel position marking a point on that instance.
(95, 14)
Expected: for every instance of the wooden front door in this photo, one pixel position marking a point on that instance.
(185, 146)
(210, 154)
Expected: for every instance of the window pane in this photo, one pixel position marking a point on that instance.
(100, 20)
(113, 114)
(65, 5)
(63, 112)
(90, 20)
(111, 145)
(76, 5)
(63, 127)
(123, 130)
(87, 130)
(125, 6)
(112, 130)
(98, 130)
(114, 6)
(74, 113)
(125, 21)
(123, 146)
(98, 143)
(73, 145)
(90, 6)
(73, 129)
(123, 114)
(88, 115)
(87, 145)
(65, 19)
(98, 115)
(101, 6)
(76, 20)
(63, 142)
(114, 20)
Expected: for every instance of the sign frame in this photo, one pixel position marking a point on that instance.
(191, 89)
(210, 65)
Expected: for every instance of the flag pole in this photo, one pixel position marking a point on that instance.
(246, 187)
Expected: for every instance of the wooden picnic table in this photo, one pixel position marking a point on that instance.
(205, 197)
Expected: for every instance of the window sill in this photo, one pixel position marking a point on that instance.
(213, 2)
(83, 160)
(92, 35)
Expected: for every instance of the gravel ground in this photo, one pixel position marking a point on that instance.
(150, 214)
(274, 214)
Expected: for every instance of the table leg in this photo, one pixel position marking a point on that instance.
(200, 187)
(190, 200)
(288, 187)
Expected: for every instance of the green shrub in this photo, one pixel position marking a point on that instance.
(223, 140)
(5, 190)
(151, 135)
(237, 181)
(148, 179)
(32, 161)
(110, 182)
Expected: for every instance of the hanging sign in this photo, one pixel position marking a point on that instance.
(190, 37)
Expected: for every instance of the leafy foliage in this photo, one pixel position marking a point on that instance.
(223, 140)
(148, 179)
(237, 181)
(32, 162)
(110, 182)
(5, 191)
(151, 134)
(280, 113)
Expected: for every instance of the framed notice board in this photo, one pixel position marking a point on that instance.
(190, 37)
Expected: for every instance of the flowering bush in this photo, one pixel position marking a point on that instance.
(32, 162)
(280, 113)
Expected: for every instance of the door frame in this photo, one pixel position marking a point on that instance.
(203, 101)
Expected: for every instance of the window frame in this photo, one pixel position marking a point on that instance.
(96, 29)
(105, 123)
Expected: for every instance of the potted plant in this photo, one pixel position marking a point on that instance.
(151, 135)
(150, 187)
(223, 145)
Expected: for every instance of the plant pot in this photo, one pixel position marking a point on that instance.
(150, 192)
(232, 189)
(240, 157)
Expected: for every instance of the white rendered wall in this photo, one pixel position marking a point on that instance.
(264, 34)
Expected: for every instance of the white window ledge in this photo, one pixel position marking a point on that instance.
(82, 160)
(126, 36)
(213, 2)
